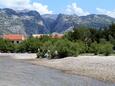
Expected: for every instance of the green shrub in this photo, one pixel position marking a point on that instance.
(108, 49)
(6, 46)
(45, 48)
(30, 45)
(65, 48)
(94, 48)
(105, 48)
(81, 46)
(61, 48)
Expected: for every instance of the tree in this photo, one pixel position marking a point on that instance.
(6, 46)
(105, 48)
(112, 30)
(81, 33)
(30, 45)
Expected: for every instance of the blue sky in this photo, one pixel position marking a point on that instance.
(78, 7)
(56, 5)
(90, 5)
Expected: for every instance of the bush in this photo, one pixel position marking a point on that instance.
(108, 49)
(6, 46)
(45, 48)
(60, 48)
(30, 45)
(105, 48)
(66, 48)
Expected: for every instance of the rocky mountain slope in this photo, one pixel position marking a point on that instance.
(26, 23)
(31, 22)
(67, 22)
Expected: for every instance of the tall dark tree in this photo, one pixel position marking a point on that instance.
(112, 30)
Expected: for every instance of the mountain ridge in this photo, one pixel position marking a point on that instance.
(30, 22)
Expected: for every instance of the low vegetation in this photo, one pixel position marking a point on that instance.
(80, 40)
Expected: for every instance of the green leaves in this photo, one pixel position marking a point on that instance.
(6, 46)
(101, 48)
(62, 47)
(30, 45)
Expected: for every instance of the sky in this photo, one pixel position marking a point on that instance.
(78, 7)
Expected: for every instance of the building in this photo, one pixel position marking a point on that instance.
(15, 38)
(57, 35)
(54, 35)
(39, 35)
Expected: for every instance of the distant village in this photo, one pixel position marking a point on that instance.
(17, 38)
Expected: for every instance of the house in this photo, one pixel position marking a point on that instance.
(57, 35)
(15, 38)
(53, 35)
(39, 35)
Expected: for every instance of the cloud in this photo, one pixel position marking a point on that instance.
(106, 12)
(41, 8)
(25, 4)
(75, 9)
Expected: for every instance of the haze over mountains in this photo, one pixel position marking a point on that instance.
(31, 22)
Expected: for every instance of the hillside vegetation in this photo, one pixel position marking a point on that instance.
(80, 40)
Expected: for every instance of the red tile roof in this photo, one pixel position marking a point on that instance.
(14, 37)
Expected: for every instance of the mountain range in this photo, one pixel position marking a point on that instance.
(28, 22)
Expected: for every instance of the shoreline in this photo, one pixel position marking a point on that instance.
(97, 67)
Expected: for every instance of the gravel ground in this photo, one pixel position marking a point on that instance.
(15, 72)
(98, 67)
(20, 55)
